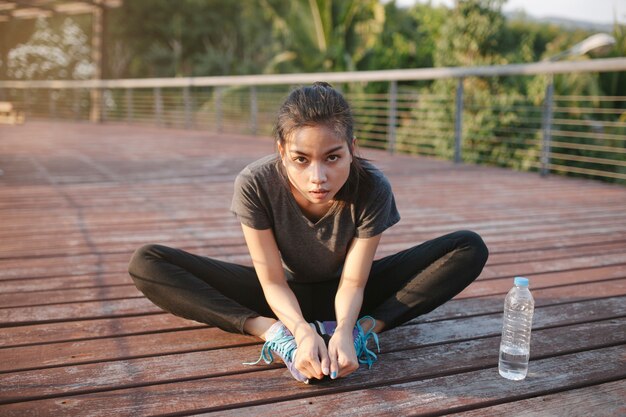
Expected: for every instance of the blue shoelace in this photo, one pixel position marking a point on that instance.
(284, 345)
(364, 354)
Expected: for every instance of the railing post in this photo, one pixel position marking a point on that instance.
(546, 125)
(103, 107)
(26, 100)
(95, 112)
(218, 109)
(76, 103)
(187, 106)
(393, 116)
(158, 106)
(254, 110)
(129, 105)
(458, 122)
(52, 110)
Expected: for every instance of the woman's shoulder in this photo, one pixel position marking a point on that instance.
(376, 178)
(264, 170)
(262, 174)
(262, 166)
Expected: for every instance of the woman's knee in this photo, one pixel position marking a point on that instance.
(476, 245)
(142, 258)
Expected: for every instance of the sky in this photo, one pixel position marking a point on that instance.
(596, 11)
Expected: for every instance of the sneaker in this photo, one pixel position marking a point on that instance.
(360, 342)
(279, 340)
(363, 353)
(324, 329)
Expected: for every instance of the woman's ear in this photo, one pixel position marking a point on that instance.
(353, 149)
(281, 151)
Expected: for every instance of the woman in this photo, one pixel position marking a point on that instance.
(312, 216)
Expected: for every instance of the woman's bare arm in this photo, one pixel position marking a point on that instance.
(348, 303)
(311, 357)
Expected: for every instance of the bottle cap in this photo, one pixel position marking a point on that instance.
(521, 281)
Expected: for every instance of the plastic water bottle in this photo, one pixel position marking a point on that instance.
(518, 318)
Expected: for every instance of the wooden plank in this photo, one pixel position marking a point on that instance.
(603, 399)
(24, 221)
(179, 226)
(72, 219)
(539, 280)
(40, 298)
(64, 282)
(452, 393)
(579, 224)
(110, 292)
(424, 392)
(111, 267)
(559, 294)
(98, 328)
(553, 265)
(93, 329)
(76, 379)
(465, 307)
(128, 243)
(538, 253)
(420, 334)
(86, 351)
(76, 311)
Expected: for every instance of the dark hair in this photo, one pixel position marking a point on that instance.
(321, 104)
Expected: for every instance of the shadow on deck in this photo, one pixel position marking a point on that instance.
(79, 339)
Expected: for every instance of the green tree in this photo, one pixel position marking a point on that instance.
(614, 83)
(323, 35)
(471, 35)
(192, 37)
(407, 39)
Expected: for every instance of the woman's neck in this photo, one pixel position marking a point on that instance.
(311, 211)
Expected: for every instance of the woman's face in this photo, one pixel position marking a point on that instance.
(317, 162)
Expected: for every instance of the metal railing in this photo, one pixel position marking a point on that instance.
(442, 112)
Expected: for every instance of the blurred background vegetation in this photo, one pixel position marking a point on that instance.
(163, 38)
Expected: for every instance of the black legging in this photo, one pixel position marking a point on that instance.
(400, 287)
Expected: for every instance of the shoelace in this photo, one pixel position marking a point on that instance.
(363, 354)
(284, 346)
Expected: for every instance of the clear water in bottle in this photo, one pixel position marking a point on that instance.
(513, 362)
(516, 327)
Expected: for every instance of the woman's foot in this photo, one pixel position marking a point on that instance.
(364, 329)
(279, 340)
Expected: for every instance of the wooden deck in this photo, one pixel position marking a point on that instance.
(79, 339)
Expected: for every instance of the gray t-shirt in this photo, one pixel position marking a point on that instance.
(311, 252)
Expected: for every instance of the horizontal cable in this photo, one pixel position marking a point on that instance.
(585, 171)
(589, 159)
(588, 135)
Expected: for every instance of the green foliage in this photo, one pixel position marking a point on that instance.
(471, 35)
(407, 39)
(322, 35)
(191, 37)
(501, 117)
(614, 83)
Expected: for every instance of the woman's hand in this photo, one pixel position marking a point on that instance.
(343, 360)
(312, 356)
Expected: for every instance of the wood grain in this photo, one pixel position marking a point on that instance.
(78, 339)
